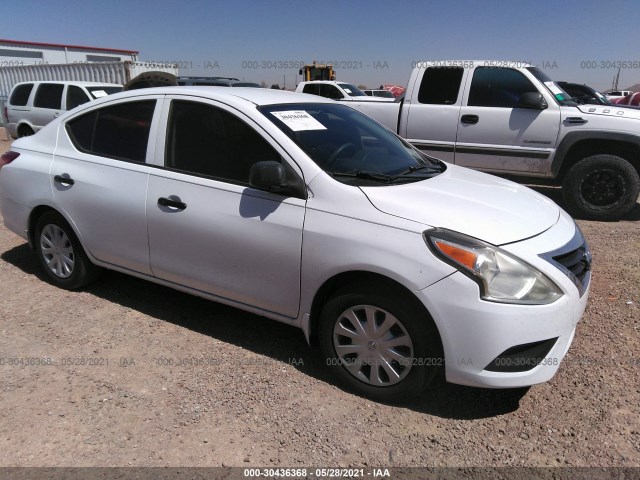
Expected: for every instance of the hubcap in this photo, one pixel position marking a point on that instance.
(57, 251)
(603, 188)
(373, 345)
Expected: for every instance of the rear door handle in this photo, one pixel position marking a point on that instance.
(469, 119)
(63, 180)
(168, 202)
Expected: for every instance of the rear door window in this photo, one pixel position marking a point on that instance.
(118, 131)
(20, 95)
(49, 95)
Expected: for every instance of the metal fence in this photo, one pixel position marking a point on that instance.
(3, 102)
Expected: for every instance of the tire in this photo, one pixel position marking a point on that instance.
(417, 351)
(150, 80)
(24, 131)
(60, 254)
(601, 187)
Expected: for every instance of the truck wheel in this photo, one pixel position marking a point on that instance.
(601, 187)
(380, 343)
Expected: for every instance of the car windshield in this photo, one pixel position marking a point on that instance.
(352, 90)
(562, 97)
(350, 146)
(97, 92)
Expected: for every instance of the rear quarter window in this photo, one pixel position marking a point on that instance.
(20, 95)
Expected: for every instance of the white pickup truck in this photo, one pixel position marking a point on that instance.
(511, 119)
(337, 91)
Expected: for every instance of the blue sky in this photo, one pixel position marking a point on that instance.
(375, 41)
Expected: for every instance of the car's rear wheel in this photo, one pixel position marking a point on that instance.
(60, 254)
(601, 187)
(24, 131)
(380, 342)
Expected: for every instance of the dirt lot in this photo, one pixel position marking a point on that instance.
(115, 395)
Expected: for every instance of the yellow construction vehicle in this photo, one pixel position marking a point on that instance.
(317, 71)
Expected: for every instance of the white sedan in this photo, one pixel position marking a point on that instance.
(307, 212)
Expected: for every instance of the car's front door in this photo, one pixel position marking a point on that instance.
(208, 229)
(496, 134)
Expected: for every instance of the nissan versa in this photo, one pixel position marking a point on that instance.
(308, 212)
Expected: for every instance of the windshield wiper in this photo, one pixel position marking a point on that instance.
(378, 177)
(415, 168)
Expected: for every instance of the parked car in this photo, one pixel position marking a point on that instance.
(511, 119)
(34, 104)
(617, 94)
(383, 94)
(335, 90)
(308, 212)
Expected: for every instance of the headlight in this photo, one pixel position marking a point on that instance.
(501, 276)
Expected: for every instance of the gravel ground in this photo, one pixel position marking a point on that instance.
(115, 395)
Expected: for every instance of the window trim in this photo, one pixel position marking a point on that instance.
(151, 140)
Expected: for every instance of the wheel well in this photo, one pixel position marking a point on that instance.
(33, 218)
(359, 278)
(586, 148)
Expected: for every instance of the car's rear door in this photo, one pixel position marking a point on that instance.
(208, 230)
(99, 178)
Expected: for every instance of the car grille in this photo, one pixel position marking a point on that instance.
(574, 260)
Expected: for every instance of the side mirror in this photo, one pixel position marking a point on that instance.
(533, 100)
(269, 176)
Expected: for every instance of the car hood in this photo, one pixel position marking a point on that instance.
(618, 111)
(479, 205)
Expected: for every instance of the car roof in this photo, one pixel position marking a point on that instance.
(257, 96)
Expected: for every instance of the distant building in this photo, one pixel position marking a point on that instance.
(14, 53)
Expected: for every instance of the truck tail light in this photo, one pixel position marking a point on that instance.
(8, 157)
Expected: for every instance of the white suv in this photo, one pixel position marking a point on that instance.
(307, 212)
(32, 105)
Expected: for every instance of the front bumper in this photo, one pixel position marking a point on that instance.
(478, 336)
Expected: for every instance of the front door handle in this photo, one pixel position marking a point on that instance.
(469, 119)
(169, 202)
(68, 181)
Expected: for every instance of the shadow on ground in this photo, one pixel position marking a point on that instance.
(265, 337)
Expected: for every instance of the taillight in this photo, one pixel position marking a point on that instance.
(8, 157)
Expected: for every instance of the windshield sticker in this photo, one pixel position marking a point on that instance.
(298, 120)
(348, 90)
(560, 97)
(99, 93)
(554, 88)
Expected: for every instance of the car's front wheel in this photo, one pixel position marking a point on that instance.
(60, 254)
(380, 342)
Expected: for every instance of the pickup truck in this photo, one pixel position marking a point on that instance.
(336, 91)
(511, 119)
